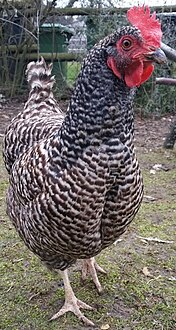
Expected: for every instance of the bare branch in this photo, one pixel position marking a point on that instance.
(56, 56)
(22, 27)
(92, 11)
(170, 52)
(166, 81)
(154, 239)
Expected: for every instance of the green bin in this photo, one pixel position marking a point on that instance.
(54, 38)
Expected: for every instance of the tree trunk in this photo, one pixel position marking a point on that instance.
(171, 137)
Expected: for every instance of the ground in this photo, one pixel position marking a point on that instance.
(139, 290)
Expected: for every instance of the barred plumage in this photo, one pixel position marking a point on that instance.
(75, 183)
(41, 115)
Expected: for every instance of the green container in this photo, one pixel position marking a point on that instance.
(54, 38)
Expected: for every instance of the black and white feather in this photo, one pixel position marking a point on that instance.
(75, 183)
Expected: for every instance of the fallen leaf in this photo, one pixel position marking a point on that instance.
(105, 327)
(146, 272)
(172, 278)
(148, 199)
(118, 241)
(159, 167)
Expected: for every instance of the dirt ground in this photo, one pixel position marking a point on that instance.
(139, 290)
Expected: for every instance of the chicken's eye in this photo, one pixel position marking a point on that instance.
(126, 44)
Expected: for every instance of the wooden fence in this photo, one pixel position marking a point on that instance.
(13, 58)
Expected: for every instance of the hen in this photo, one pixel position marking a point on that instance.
(75, 183)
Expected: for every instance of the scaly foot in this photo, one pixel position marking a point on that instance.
(91, 267)
(72, 304)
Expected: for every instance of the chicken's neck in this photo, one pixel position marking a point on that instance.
(100, 110)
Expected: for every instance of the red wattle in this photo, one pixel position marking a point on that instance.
(147, 72)
(133, 74)
(112, 65)
(136, 73)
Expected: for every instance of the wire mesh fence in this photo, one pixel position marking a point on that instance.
(22, 39)
(154, 98)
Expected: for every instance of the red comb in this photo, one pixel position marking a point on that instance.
(149, 26)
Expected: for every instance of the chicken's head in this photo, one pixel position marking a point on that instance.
(137, 48)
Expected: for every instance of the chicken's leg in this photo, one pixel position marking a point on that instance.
(91, 267)
(72, 304)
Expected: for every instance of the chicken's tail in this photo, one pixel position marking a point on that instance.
(41, 81)
(39, 75)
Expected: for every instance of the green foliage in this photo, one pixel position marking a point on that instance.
(73, 69)
(157, 99)
(100, 26)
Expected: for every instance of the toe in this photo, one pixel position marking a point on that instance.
(83, 305)
(99, 269)
(74, 307)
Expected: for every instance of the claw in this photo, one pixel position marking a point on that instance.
(74, 306)
(91, 267)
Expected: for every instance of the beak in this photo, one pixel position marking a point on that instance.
(157, 56)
